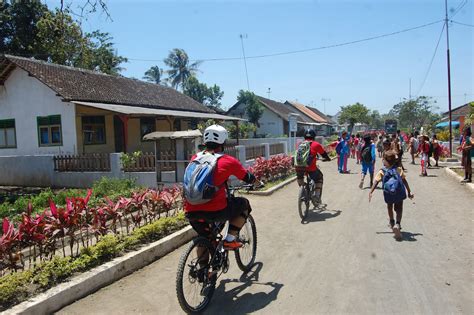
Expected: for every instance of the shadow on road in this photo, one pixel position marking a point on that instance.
(320, 214)
(406, 236)
(228, 302)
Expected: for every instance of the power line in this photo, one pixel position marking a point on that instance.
(455, 22)
(432, 59)
(304, 50)
(458, 9)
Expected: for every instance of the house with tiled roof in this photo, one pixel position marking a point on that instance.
(324, 125)
(274, 120)
(52, 109)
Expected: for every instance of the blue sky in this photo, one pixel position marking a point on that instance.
(375, 73)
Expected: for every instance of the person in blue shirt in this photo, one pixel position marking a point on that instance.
(344, 151)
(368, 155)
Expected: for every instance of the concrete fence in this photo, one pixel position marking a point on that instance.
(39, 170)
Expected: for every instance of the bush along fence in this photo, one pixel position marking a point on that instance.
(43, 249)
(275, 168)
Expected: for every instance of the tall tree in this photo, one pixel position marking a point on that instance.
(181, 68)
(18, 27)
(209, 96)
(155, 75)
(414, 113)
(376, 121)
(253, 109)
(352, 114)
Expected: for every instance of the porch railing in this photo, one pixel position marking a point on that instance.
(93, 162)
(231, 150)
(277, 148)
(254, 152)
(145, 163)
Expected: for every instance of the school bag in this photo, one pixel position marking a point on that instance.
(367, 155)
(198, 182)
(393, 187)
(303, 157)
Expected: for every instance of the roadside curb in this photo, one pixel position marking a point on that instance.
(274, 188)
(90, 281)
(458, 178)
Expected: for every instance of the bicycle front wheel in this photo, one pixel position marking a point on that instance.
(245, 256)
(303, 202)
(194, 286)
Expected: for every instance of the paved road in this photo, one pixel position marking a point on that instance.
(343, 260)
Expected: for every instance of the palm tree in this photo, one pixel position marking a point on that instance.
(181, 70)
(154, 74)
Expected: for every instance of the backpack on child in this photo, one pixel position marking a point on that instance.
(198, 184)
(303, 157)
(367, 154)
(393, 187)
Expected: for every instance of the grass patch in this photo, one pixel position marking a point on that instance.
(19, 286)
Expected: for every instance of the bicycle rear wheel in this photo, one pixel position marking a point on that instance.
(303, 202)
(194, 287)
(245, 256)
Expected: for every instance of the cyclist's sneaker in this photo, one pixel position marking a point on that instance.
(235, 244)
(361, 184)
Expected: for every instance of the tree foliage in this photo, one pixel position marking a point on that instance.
(155, 75)
(245, 129)
(30, 29)
(180, 68)
(355, 113)
(376, 121)
(253, 109)
(209, 96)
(415, 113)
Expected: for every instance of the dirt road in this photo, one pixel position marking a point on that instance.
(343, 260)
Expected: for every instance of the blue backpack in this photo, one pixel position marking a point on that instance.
(393, 187)
(198, 183)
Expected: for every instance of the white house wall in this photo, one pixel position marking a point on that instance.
(270, 123)
(24, 98)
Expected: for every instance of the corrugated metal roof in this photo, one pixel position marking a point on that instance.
(136, 110)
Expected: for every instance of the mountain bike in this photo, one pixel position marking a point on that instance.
(306, 196)
(206, 259)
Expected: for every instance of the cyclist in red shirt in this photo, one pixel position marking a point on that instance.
(220, 207)
(313, 171)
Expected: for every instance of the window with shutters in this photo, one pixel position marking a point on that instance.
(7, 134)
(49, 131)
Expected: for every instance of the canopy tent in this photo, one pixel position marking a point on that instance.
(445, 124)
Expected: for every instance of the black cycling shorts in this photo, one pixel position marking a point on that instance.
(316, 176)
(199, 220)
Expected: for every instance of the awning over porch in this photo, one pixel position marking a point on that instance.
(135, 110)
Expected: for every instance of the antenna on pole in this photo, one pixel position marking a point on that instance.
(324, 100)
(409, 89)
(269, 91)
(242, 36)
(449, 80)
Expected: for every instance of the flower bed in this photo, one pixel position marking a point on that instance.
(275, 168)
(37, 237)
(19, 286)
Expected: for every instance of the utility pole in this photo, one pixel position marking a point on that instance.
(269, 91)
(245, 60)
(449, 80)
(324, 100)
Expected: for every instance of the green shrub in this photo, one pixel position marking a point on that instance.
(14, 288)
(113, 186)
(51, 272)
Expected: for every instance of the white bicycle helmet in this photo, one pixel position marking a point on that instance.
(216, 134)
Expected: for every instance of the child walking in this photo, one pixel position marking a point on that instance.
(368, 160)
(394, 184)
(424, 149)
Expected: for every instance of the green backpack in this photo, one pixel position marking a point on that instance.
(302, 156)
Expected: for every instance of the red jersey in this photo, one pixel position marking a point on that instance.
(424, 147)
(226, 167)
(315, 149)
